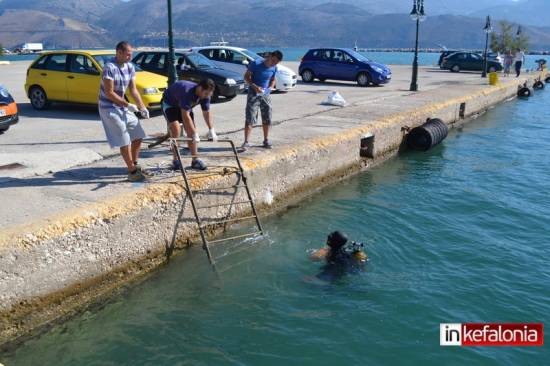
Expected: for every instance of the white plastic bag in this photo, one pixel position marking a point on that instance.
(334, 98)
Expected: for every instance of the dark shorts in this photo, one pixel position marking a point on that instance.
(255, 102)
(173, 114)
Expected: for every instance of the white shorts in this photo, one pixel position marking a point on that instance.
(121, 126)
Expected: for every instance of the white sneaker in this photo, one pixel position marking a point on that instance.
(196, 137)
(212, 135)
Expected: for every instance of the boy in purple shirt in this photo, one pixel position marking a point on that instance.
(177, 105)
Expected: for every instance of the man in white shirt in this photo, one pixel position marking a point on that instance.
(519, 59)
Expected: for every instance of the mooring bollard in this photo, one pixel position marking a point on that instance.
(493, 78)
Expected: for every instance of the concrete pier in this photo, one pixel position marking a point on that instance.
(73, 230)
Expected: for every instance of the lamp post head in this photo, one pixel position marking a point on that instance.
(422, 14)
(488, 28)
(417, 12)
(414, 13)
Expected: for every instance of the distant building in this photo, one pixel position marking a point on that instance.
(32, 48)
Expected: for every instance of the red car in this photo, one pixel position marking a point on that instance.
(8, 110)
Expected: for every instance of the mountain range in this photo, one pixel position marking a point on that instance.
(298, 23)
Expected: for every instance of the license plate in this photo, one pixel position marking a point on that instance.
(2, 113)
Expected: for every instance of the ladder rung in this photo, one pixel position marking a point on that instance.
(224, 204)
(236, 264)
(218, 188)
(230, 220)
(235, 237)
(211, 173)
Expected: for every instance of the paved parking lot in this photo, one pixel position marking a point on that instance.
(70, 135)
(67, 163)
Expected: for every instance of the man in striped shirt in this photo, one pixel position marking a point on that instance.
(122, 128)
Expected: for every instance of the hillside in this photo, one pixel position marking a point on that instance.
(87, 11)
(291, 23)
(21, 26)
(284, 24)
(56, 23)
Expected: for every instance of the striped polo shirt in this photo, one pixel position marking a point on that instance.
(121, 76)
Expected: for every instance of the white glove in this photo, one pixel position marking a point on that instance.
(196, 137)
(144, 113)
(212, 135)
(132, 108)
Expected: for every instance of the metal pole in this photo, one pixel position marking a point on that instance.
(414, 82)
(172, 73)
(484, 73)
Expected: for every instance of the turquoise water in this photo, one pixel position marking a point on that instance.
(456, 234)
(295, 54)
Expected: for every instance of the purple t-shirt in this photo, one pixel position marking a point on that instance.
(182, 94)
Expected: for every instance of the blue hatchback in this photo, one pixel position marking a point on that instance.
(342, 64)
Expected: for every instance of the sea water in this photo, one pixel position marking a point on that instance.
(456, 234)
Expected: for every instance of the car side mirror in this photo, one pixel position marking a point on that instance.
(245, 62)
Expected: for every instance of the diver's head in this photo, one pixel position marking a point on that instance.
(336, 240)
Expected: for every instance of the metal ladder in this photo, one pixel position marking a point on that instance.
(196, 209)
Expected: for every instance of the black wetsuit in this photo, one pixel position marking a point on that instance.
(340, 264)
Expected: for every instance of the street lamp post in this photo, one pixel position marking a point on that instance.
(488, 29)
(418, 15)
(172, 73)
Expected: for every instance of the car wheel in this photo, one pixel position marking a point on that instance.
(492, 69)
(455, 68)
(363, 79)
(307, 76)
(4, 129)
(38, 98)
(230, 97)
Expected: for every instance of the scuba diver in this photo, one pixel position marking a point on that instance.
(340, 257)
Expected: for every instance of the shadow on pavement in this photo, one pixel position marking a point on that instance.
(61, 111)
(58, 143)
(102, 176)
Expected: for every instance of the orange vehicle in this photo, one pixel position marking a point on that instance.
(8, 110)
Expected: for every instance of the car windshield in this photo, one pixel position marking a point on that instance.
(4, 94)
(358, 56)
(102, 59)
(251, 54)
(200, 61)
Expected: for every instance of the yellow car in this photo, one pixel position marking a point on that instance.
(75, 77)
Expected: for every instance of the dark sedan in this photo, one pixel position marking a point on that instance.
(8, 110)
(194, 67)
(468, 61)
